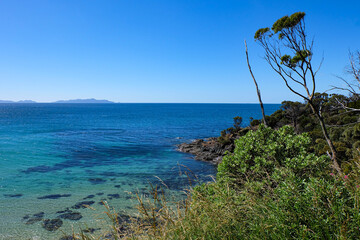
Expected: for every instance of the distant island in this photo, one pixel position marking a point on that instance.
(21, 101)
(90, 100)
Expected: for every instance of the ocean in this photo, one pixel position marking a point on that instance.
(55, 157)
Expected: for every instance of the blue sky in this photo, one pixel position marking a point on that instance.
(159, 50)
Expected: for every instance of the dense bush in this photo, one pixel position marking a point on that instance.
(266, 155)
(280, 190)
(342, 123)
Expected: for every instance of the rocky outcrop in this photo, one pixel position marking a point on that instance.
(209, 150)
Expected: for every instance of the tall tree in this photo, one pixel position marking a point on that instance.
(289, 53)
(256, 85)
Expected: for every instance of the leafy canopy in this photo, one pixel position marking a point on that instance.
(287, 22)
(284, 27)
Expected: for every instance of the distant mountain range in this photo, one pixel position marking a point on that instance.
(90, 100)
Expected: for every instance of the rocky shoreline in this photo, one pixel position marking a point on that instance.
(209, 150)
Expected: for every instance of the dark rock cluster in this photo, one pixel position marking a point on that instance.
(75, 216)
(54, 196)
(83, 204)
(52, 224)
(34, 218)
(209, 150)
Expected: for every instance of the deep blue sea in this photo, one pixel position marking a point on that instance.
(54, 156)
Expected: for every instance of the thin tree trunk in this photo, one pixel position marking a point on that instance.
(256, 85)
(327, 138)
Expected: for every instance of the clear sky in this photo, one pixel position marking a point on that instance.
(159, 50)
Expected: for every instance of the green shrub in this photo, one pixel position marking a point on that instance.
(266, 154)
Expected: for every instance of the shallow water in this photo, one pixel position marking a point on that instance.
(72, 151)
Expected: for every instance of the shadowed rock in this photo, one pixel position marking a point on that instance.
(39, 214)
(34, 218)
(89, 196)
(69, 237)
(82, 204)
(54, 196)
(64, 211)
(13, 195)
(90, 230)
(52, 225)
(75, 216)
(111, 196)
(96, 180)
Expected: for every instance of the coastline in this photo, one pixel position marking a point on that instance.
(208, 150)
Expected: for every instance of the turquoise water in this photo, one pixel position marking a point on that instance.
(94, 152)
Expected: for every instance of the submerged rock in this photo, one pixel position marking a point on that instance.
(54, 196)
(39, 214)
(115, 195)
(89, 196)
(100, 193)
(13, 195)
(68, 237)
(108, 236)
(90, 230)
(53, 224)
(96, 180)
(75, 216)
(82, 204)
(34, 218)
(64, 211)
(121, 218)
(102, 201)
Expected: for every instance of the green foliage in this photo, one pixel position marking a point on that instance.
(267, 153)
(237, 122)
(255, 122)
(342, 125)
(288, 22)
(277, 189)
(227, 136)
(299, 58)
(354, 104)
(261, 32)
(321, 208)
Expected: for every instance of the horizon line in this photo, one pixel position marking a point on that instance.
(55, 102)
